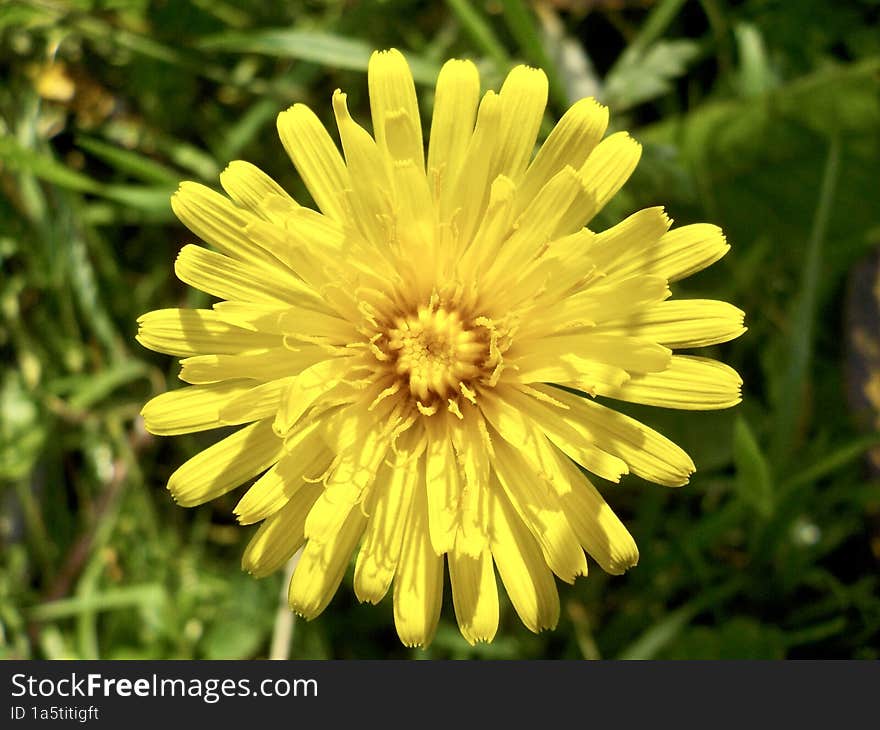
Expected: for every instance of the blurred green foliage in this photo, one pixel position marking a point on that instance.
(759, 115)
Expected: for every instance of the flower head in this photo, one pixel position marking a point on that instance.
(424, 364)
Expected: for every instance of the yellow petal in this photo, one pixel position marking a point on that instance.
(474, 595)
(443, 487)
(493, 229)
(596, 304)
(226, 464)
(689, 383)
(281, 535)
(253, 189)
(388, 510)
(306, 388)
(471, 441)
(369, 184)
(536, 226)
(649, 454)
(322, 565)
(537, 506)
(589, 376)
(270, 364)
(184, 332)
(599, 530)
(260, 401)
(569, 144)
(418, 583)
(194, 408)
(391, 91)
(634, 354)
(557, 426)
(642, 244)
(522, 98)
(262, 317)
(606, 170)
(455, 110)
(226, 278)
(464, 199)
(689, 249)
(352, 476)
(298, 321)
(526, 577)
(216, 219)
(530, 443)
(316, 158)
(413, 205)
(630, 247)
(680, 323)
(305, 457)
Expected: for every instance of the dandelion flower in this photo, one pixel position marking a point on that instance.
(425, 365)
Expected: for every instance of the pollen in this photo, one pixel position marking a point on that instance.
(435, 352)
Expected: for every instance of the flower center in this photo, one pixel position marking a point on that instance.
(436, 352)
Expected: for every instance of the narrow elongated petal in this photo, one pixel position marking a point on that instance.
(316, 158)
(217, 220)
(681, 323)
(418, 583)
(392, 91)
(304, 461)
(389, 512)
(253, 189)
(261, 365)
(558, 427)
(600, 531)
(185, 332)
(522, 98)
(606, 170)
(303, 390)
(648, 454)
(322, 565)
(191, 409)
(443, 488)
(689, 383)
(537, 505)
(474, 594)
(223, 277)
(570, 143)
(522, 568)
(281, 535)
(464, 199)
(596, 303)
(455, 111)
(225, 465)
(258, 402)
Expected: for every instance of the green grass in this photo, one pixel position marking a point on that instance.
(759, 116)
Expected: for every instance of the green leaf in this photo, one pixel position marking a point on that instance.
(755, 75)
(152, 199)
(636, 79)
(523, 26)
(320, 47)
(129, 161)
(803, 320)
(754, 483)
(111, 599)
(23, 429)
(480, 31)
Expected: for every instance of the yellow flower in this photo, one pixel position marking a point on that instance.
(423, 364)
